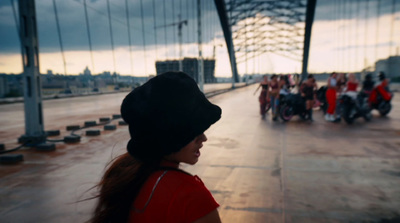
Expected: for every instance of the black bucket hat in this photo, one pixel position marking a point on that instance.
(165, 114)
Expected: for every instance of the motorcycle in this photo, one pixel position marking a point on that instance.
(380, 99)
(290, 105)
(352, 106)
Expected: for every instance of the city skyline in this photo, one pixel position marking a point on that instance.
(340, 42)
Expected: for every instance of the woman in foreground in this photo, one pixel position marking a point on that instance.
(167, 117)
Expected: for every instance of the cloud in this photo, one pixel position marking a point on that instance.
(351, 9)
(74, 32)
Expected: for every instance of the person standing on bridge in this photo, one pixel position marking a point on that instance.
(367, 85)
(331, 97)
(307, 91)
(352, 85)
(167, 117)
(264, 96)
(274, 95)
(341, 86)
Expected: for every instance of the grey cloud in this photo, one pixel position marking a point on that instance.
(74, 31)
(350, 9)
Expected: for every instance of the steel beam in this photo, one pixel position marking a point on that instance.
(226, 28)
(275, 26)
(307, 36)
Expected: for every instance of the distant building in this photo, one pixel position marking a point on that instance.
(190, 66)
(390, 66)
(3, 86)
(87, 72)
(50, 72)
(11, 85)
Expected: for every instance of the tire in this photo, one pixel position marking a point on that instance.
(367, 116)
(347, 114)
(384, 108)
(286, 112)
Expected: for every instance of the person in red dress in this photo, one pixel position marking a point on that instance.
(167, 118)
(352, 83)
(351, 86)
(331, 97)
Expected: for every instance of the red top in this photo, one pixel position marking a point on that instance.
(379, 90)
(352, 86)
(177, 198)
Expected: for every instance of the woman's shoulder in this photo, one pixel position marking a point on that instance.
(183, 179)
(178, 197)
(182, 186)
(174, 179)
(191, 200)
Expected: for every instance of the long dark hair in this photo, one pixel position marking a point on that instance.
(119, 187)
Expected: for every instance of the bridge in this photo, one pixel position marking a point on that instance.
(259, 171)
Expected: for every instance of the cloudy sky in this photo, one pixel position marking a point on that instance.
(347, 35)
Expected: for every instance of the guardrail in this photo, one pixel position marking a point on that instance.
(210, 90)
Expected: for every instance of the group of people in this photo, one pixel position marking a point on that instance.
(167, 118)
(278, 86)
(342, 84)
(337, 84)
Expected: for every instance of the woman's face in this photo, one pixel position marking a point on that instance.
(190, 153)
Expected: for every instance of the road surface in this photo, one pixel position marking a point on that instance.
(258, 170)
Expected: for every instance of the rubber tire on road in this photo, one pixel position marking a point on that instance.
(367, 117)
(286, 113)
(346, 115)
(385, 108)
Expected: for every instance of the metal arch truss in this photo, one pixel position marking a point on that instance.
(267, 26)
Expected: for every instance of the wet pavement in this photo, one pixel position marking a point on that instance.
(258, 170)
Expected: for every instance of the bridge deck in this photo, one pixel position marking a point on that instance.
(258, 170)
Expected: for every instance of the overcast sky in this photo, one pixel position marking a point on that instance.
(334, 20)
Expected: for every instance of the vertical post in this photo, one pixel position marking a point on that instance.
(307, 35)
(180, 24)
(31, 77)
(180, 55)
(200, 59)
